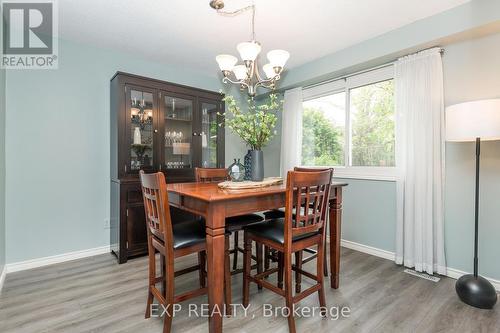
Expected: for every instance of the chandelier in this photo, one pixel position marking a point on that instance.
(247, 75)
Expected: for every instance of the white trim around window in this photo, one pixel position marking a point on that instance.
(344, 85)
(368, 173)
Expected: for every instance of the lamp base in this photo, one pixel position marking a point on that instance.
(476, 291)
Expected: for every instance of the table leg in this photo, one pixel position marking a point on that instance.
(215, 229)
(335, 235)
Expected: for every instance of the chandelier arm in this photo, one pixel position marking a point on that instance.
(269, 83)
(241, 82)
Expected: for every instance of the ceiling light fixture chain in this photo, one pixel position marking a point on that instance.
(247, 75)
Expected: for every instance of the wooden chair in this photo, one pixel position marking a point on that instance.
(303, 226)
(233, 224)
(172, 241)
(300, 260)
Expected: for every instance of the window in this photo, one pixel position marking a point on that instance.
(372, 124)
(323, 131)
(350, 124)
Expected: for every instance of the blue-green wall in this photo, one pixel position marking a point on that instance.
(471, 72)
(2, 170)
(57, 150)
(369, 213)
(57, 142)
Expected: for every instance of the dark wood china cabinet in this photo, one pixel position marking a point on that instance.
(156, 126)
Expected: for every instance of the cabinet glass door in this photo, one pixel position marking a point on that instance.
(141, 106)
(209, 134)
(178, 131)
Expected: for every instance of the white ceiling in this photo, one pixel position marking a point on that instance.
(190, 33)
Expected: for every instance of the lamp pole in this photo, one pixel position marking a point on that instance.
(472, 288)
(476, 212)
(468, 122)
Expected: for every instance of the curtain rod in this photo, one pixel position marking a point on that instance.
(343, 77)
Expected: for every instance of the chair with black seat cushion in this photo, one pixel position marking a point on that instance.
(303, 226)
(172, 241)
(233, 224)
(300, 260)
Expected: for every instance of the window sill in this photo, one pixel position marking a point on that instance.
(366, 173)
(365, 177)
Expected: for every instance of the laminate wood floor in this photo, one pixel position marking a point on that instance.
(98, 295)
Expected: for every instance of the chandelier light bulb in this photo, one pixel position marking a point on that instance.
(226, 62)
(278, 58)
(240, 71)
(249, 50)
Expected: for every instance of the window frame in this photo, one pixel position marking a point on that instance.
(346, 85)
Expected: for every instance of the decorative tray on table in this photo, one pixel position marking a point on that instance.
(250, 184)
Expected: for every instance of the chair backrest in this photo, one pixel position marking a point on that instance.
(307, 195)
(210, 175)
(156, 206)
(310, 169)
(302, 169)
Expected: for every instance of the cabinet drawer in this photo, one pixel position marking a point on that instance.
(134, 196)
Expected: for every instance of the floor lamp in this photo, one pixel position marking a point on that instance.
(475, 121)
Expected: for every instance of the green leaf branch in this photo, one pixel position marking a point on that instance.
(255, 126)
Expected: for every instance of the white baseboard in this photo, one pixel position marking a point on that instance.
(368, 249)
(451, 272)
(3, 273)
(456, 273)
(39, 262)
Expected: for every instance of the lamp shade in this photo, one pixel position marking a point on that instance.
(248, 50)
(226, 62)
(471, 120)
(240, 71)
(269, 70)
(278, 58)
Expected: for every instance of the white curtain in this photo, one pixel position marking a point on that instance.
(291, 130)
(420, 161)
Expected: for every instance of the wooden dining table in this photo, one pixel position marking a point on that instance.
(215, 204)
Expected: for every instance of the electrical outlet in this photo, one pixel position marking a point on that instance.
(106, 224)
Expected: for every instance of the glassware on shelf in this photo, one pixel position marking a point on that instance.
(177, 165)
(141, 148)
(167, 139)
(137, 136)
(173, 115)
(204, 116)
